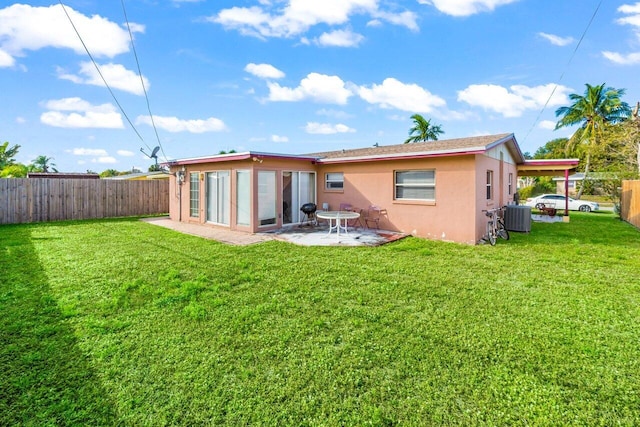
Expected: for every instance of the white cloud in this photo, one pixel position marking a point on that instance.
(174, 124)
(264, 71)
(116, 75)
(547, 124)
(6, 60)
(105, 160)
(24, 27)
(298, 16)
(82, 115)
(633, 18)
(407, 97)
(278, 138)
(556, 40)
(315, 87)
(622, 59)
(633, 12)
(515, 100)
(88, 152)
(125, 153)
(334, 113)
(340, 38)
(327, 128)
(406, 18)
(465, 7)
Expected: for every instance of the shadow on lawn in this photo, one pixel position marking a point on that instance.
(46, 379)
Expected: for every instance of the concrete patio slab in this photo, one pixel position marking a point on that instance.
(307, 235)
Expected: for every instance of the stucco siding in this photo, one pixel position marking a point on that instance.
(449, 217)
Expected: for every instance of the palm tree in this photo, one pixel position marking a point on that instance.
(7, 154)
(423, 130)
(42, 164)
(598, 107)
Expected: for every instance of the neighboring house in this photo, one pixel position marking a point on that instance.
(436, 189)
(63, 175)
(140, 176)
(575, 181)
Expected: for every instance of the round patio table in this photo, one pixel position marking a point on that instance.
(334, 217)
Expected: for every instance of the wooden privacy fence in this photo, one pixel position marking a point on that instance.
(25, 200)
(630, 202)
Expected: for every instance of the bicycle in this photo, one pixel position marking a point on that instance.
(495, 226)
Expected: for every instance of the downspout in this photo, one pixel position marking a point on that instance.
(566, 193)
(180, 178)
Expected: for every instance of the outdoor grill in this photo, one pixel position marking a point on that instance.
(309, 210)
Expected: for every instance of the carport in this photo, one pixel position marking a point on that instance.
(551, 167)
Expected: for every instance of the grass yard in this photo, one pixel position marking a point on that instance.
(119, 322)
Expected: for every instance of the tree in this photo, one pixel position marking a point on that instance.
(42, 164)
(109, 173)
(15, 170)
(593, 111)
(423, 130)
(554, 149)
(7, 154)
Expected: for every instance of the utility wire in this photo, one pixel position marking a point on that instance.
(101, 76)
(565, 69)
(146, 95)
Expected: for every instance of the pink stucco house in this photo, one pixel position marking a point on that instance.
(435, 190)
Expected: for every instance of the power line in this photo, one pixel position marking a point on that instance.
(146, 95)
(584, 33)
(100, 74)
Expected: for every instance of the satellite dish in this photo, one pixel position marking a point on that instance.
(154, 153)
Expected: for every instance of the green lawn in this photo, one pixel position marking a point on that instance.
(119, 322)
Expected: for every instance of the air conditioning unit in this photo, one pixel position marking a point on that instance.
(517, 218)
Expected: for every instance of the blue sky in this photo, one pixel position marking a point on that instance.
(297, 76)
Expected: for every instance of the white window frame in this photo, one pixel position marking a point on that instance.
(194, 194)
(334, 181)
(428, 184)
(510, 183)
(489, 185)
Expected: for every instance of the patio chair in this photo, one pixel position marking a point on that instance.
(356, 222)
(374, 213)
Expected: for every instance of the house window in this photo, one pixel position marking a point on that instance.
(415, 185)
(510, 184)
(243, 197)
(194, 194)
(489, 185)
(334, 181)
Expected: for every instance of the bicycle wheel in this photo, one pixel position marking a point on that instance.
(503, 232)
(491, 235)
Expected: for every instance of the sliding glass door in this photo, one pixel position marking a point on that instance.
(218, 197)
(298, 188)
(267, 198)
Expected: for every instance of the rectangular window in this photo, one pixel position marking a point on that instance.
(415, 185)
(510, 184)
(334, 181)
(266, 198)
(194, 194)
(243, 197)
(218, 197)
(489, 185)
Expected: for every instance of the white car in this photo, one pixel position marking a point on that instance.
(557, 201)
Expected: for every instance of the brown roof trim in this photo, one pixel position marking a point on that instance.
(447, 147)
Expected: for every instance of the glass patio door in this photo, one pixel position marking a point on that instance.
(298, 188)
(218, 197)
(266, 198)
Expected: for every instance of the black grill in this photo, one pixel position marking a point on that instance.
(309, 211)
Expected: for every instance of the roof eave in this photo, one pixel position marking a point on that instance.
(396, 156)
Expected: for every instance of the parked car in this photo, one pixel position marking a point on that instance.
(558, 201)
